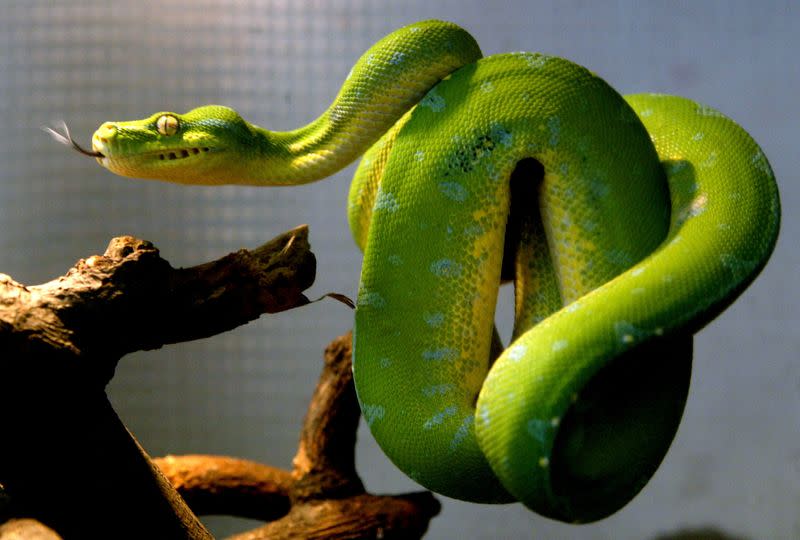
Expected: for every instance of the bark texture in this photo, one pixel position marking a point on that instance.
(68, 466)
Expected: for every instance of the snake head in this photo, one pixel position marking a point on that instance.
(186, 148)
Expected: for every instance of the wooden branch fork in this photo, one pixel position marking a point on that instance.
(70, 469)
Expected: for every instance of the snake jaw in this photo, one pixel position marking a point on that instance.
(161, 163)
(100, 142)
(134, 150)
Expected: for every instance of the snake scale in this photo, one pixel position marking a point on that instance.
(626, 224)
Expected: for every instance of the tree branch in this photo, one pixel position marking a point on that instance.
(131, 299)
(323, 497)
(65, 458)
(220, 485)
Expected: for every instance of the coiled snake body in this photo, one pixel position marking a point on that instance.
(633, 222)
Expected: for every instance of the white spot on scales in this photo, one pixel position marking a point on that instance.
(437, 389)
(442, 353)
(433, 319)
(371, 299)
(539, 429)
(462, 432)
(397, 58)
(446, 268)
(395, 260)
(433, 101)
(439, 418)
(453, 191)
(372, 413)
(386, 201)
(554, 128)
(516, 352)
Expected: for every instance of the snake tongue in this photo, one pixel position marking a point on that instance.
(66, 138)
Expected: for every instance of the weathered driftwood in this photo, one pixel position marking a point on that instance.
(67, 460)
(323, 496)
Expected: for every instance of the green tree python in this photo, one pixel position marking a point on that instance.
(626, 223)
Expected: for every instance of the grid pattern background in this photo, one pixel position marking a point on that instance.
(735, 464)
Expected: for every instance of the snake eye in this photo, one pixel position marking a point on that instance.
(167, 124)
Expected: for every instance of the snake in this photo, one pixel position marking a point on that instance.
(626, 224)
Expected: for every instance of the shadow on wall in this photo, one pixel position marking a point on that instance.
(705, 533)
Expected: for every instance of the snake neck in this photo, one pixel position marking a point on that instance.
(215, 145)
(386, 82)
(312, 152)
